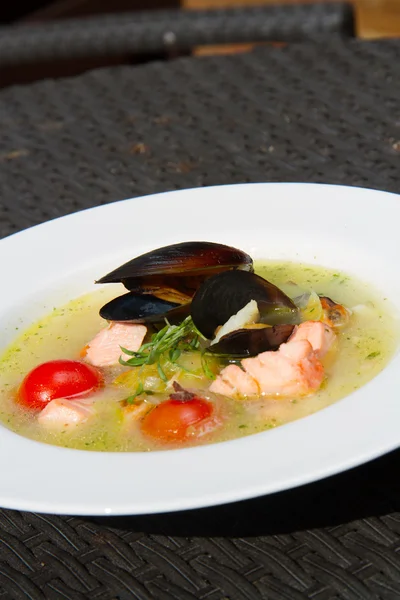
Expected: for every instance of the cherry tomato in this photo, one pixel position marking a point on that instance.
(58, 379)
(170, 420)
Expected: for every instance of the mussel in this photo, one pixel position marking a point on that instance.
(336, 315)
(134, 308)
(162, 280)
(223, 295)
(250, 342)
(175, 272)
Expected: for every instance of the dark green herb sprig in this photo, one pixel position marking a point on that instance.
(204, 363)
(166, 344)
(138, 392)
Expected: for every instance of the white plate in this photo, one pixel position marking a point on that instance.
(345, 228)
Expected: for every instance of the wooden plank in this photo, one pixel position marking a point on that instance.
(374, 18)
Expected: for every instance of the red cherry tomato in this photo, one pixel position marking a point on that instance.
(170, 420)
(58, 379)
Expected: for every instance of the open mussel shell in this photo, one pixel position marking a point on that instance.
(135, 308)
(223, 295)
(175, 272)
(250, 342)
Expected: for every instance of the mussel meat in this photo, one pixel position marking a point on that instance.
(135, 308)
(250, 342)
(336, 315)
(175, 272)
(224, 294)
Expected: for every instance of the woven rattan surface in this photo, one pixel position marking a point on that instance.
(327, 113)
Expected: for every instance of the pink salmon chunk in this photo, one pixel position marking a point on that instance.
(293, 370)
(105, 348)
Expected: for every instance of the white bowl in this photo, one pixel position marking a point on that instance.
(346, 228)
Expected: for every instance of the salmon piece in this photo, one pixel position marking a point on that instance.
(62, 412)
(105, 348)
(233, 381)
(293, 370)
(320, 336)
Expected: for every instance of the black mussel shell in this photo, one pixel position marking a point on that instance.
(135, 308)
(223, 295)
(180, 267)
(250, 342)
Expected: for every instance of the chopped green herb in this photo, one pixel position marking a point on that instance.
(195, 343)
(164, 341)
(168, 343)
(207, 371)
(373, 355)
(132, 399)
(161, 372)
(174, 354)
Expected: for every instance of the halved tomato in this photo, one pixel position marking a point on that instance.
(58, 379)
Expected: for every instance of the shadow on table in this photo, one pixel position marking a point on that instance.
(370, 490)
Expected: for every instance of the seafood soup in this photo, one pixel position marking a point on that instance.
(193, 344)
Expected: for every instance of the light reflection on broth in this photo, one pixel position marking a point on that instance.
(364, 347)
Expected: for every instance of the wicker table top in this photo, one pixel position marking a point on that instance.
(326, 112)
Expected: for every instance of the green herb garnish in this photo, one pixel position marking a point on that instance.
(164, 341)
(167, 345)
(373, 355)
(174, 355)
(138, 392)
(204, 363)
(131, 399)
(161, 372)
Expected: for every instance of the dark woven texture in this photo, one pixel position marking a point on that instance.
(163, 31)
(327, 113)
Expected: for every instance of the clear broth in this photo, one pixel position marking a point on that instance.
(365, 346)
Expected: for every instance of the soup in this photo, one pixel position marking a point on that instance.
(316, 353)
